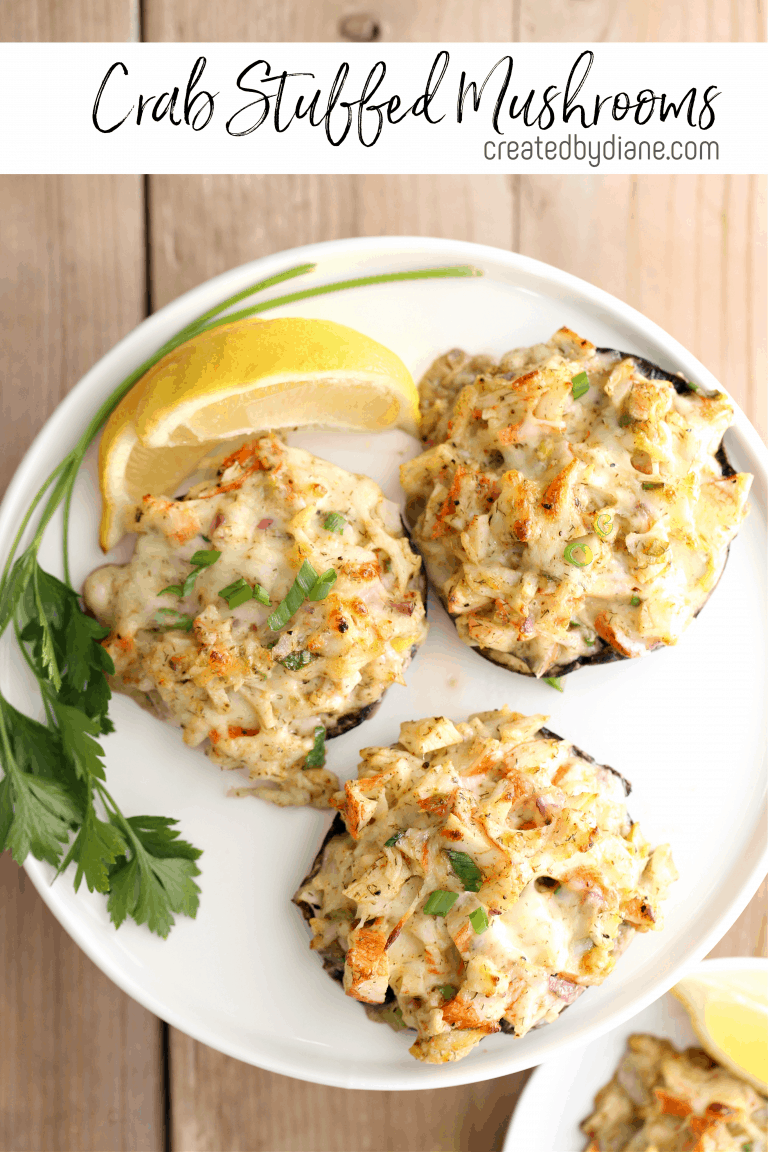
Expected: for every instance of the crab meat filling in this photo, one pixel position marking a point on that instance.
(189, 615)
(568, 507)
(488, 874)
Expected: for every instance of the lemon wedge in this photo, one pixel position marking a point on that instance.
(203, 398)
(729, 1013)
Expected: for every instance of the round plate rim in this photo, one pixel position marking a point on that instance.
(160, 325)
(711, 964)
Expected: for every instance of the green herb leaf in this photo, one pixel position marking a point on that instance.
(52, 773)
(554, 682)
(236, 593)
(440, 902)
(189, 582)
(156, 876)
(467, 871)
(295, 660)
(580, 384)
(635, 601)
(335, 522)
(322, 585)
(175, 619)
(306, 578)
(479, 920)
(205, 557)
(173, 589)
(394, 839)
(315, 758)
(447, 991)
(624, 420)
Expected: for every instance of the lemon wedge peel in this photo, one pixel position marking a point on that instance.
(255, 359)
(236, 379)
(729, 1014)
(59, 485)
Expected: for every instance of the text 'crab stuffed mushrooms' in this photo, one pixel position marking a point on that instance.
(574, 504)
(488, 874)
(268, 608)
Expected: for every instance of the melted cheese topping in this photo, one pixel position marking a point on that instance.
(565, 878)
(555, 527)
(226, 681)
(662, 1100)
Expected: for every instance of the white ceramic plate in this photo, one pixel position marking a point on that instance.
(241, 977)
(559, 1095)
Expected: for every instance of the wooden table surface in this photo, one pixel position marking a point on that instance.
(82, 261)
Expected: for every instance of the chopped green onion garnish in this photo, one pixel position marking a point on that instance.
(479, 920)
(189, 583)
(571, 554)
(180, 621)
(440, 902)
(589, 640)
(306, 578)
(322, 585)
(580, 384)
(394, 839)
(261, 595)
(466, 870)
(295, 660)
(175, 589)
(206, 538)
(205, 557)
(604, 524)
(334, 522)
(236, 593)
(554, 682)
(315, 758)
(447, 991)
(624, 420)
(649, 485)
(635, 601)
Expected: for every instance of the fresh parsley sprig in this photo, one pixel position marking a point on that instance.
(54, 802)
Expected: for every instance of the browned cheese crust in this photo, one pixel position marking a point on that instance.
(559, 878)
(255, 697)
(559, 529)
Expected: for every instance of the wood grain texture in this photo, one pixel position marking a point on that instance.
(586, 21)
(70, 20)
(326, 20)
(687, 251)
(80, 1064)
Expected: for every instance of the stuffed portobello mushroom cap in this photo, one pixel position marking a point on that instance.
(479, 878)
(574, 504)
(192, 632)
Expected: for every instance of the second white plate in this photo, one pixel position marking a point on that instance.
(560, 1094)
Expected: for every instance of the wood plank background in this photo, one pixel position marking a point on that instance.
(82, 1067)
